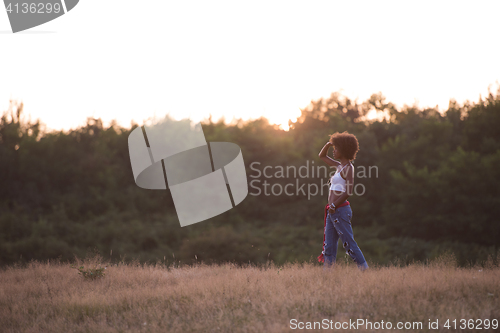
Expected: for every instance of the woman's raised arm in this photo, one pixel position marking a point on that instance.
(328, 160)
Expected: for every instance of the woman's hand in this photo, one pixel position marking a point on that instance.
(325, 148)
(325, 158)
(331, 209)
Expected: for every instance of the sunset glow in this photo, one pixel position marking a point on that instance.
(237, 61)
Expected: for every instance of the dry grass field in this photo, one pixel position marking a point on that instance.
(53, 297)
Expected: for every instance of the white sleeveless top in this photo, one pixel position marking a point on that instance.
(337, 182)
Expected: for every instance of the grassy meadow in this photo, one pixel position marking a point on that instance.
(133, 297)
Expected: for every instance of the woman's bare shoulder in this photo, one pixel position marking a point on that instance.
(348, 171)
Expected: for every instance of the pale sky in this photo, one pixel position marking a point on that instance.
(131, 60)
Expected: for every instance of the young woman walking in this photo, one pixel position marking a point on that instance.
(338, 212)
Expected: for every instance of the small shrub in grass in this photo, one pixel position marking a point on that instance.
(90, 268)
(90, 273)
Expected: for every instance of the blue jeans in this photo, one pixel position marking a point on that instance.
(338, 225)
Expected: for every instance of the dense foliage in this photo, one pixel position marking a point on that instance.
(433, 185)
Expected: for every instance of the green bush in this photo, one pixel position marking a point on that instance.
(91, 273)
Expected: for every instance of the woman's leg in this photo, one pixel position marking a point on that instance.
(343, 227)
(331, 241)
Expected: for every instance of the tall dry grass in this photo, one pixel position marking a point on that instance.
(52, 297)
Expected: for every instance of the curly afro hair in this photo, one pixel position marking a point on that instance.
(347, 144)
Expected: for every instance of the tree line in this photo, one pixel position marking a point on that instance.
(436, 188)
